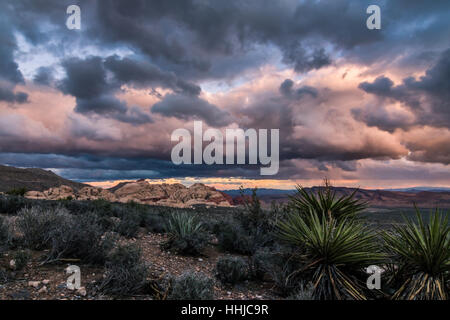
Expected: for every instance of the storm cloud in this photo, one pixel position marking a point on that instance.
(100, 103)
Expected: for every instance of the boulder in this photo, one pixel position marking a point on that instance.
(91, 193)
(59, 193)
(35, 195)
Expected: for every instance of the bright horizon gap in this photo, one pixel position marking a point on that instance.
(236, 183)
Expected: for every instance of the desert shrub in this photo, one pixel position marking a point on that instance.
(21, 258)
(5, 276)
(12, 204)
(304, 292)
(259, 263)
(125, 271)
(249, 229)
(80, 237)
(186, 234)
(280, 264)
(231, 270)
(192, 286)
(233, 238)
(17, 192)
(4, 234)
(107, 223)
(421, 254)
(335, 253)
(128, 225)
(325, 203)
(155, 223)
(36, 224)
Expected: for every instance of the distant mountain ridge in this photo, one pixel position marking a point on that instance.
(48, 185)
(32, 179)
(376, 198)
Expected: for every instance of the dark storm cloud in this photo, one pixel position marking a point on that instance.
(9, 69)
(287, 89)
(87, 81)
(188, 107)
(114, 108)
(303, 62)
(6, 94)
(379, 116)
(44, 76)
(98, 168)
(382, 86)
(194, 33)
(427, 97)
(10, 74)
(178, 43)
(85, 78)
(144, 74)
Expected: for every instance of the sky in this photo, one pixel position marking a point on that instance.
(365, 108)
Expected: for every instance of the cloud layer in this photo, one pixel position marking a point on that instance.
(100, 103)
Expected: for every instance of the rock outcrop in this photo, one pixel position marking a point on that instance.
(65, 192)
(174, 195)
(90, 193)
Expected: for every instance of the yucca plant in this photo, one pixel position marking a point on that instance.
(186, 234)
(326, 203)
(335, 253)
(183, 224)
(421, 254)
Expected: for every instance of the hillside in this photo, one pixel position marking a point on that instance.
(32, 179)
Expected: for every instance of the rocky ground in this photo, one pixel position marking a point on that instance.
(45, 282)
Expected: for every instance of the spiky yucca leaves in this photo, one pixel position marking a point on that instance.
(335, 252)
(183, 224)
(421, 254)
(186, 234)
(326, 203)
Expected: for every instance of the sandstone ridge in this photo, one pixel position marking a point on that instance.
(173, 195)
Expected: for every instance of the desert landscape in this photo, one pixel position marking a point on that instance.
(258, 151)
(177, 242)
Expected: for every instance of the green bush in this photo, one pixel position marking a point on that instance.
(155, 223)
(12, 204)
(36, 224)
(80, 237)
(421, 254)
(128, 225)
(21, 258)
(233, 238)
(249, 229)
(4, 234)
(278, 263)
(325, 203)
(17, 192)
(186, 234)
(231, 270)
(335, 253)
(192, 286)
(125, 271)
(305, 292)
